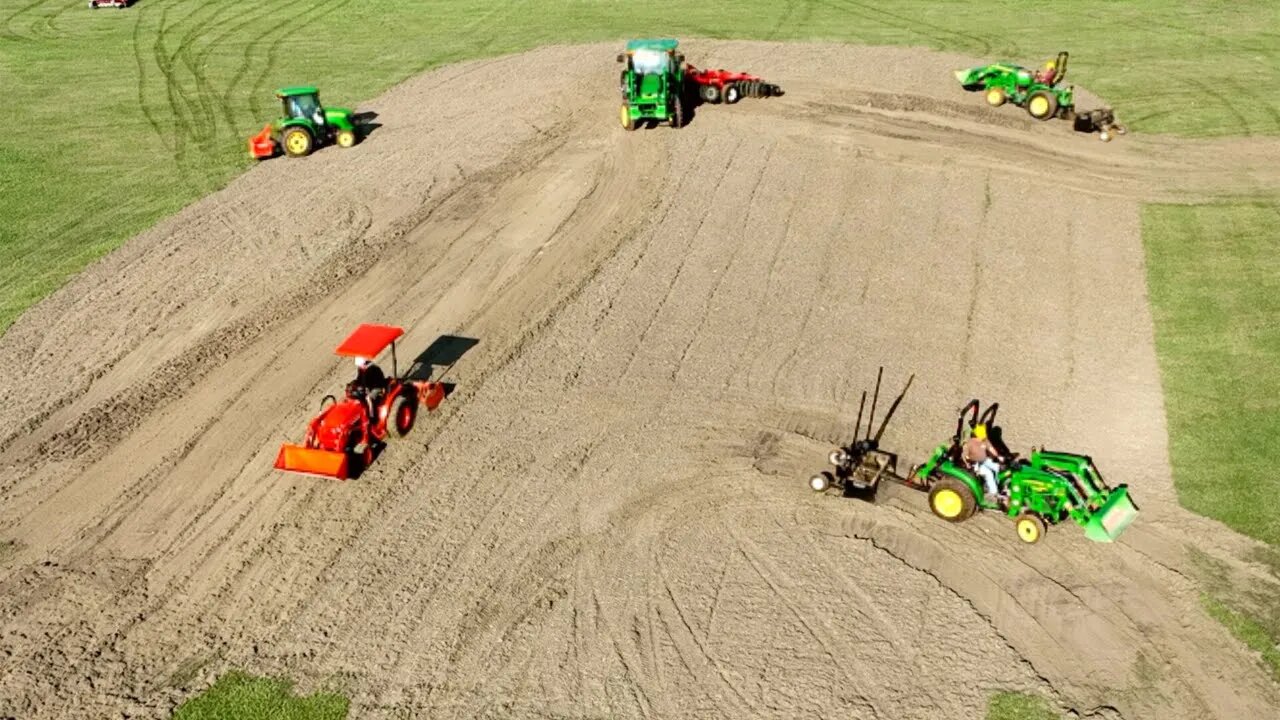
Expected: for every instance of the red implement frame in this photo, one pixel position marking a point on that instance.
(714, 84)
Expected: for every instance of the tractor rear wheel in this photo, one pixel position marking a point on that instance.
(403, 412)
(709, 93)
(952, 500)
(677, 113)
(732, 93)
(1030, 528)
(345, 138)
(625, 116)
(1042, 105)
(297, 142)
(996, 97)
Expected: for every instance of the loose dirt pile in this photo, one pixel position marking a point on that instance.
(608, 518)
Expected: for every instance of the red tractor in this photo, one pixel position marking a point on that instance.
(118, 4)
(724, 85)
(346, 432)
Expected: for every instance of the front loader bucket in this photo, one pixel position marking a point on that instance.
(1107, 522)
(312, 461)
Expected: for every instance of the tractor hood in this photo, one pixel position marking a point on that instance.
(332, 425)
(340, 117)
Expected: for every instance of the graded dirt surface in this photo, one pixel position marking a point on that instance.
(608, 517)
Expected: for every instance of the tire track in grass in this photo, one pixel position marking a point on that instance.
(10, 22)
(289, 27)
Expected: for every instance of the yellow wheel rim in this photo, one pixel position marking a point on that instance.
(346, 139)
(1040, 106)
(995, 97)
(624, 114)
(948, 503)
(298, 143)
(1028, 530)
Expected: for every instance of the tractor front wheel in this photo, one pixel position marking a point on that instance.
(1042, 105)
(345, 138)
(297, 142)
(625, 115)
(732, 93)
(1030, 528)
(403, 412)
(996, 97)
(952, 500)
(677, 113)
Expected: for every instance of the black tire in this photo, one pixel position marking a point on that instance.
(403, 412)
(968, 503)
(291, 148)
(820, 482)
(709, 93)
(732, 93)
(1050, 102)
(677, 113)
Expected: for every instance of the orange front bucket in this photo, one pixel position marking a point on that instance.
(309, 461)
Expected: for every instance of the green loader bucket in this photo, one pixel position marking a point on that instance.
(1108, 521)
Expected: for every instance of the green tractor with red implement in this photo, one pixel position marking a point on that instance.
(305, 126)
(1043, 489)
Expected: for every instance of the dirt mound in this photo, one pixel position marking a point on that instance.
(609, 516)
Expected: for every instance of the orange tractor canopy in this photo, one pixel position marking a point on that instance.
(340, 440)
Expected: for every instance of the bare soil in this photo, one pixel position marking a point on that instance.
(608, 518)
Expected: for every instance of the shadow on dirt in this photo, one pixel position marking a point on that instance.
(442, 353)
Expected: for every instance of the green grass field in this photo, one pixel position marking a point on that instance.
(236, 696)
(1017, 706)
(1214, 279)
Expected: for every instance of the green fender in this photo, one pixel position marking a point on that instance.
(948, 468)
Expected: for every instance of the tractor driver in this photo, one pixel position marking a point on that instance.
(1047, 72)
(982, 456)
(369, 385)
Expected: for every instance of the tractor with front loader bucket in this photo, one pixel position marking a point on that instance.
(1040, 92)
(1043, 489)
(305, 126)
(340, 441)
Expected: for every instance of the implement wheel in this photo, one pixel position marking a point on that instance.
(1042, 105)
(1030, 528)
(952, 500)
(820, 482)
(709, 93)
(732, 93)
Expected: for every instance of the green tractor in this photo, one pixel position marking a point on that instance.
(1041, 93)
(1044, 489)
(306, 125)
(652, 83)
(1036, 90)
(1036, 492)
